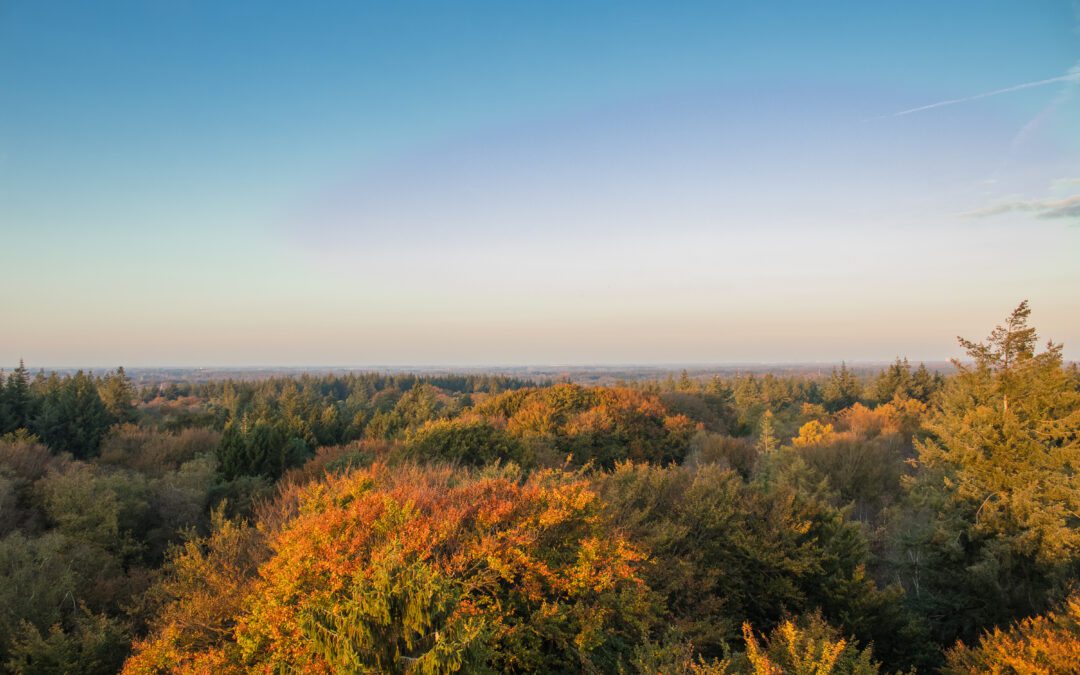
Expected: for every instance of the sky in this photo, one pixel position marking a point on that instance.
(457, 183)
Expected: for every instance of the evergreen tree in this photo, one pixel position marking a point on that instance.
(419, 404)
(896, 380)
(260, 449)
(900, 381)
(232, 450)
(7, 419)
(995, 481)
(767, 442)
(72, 416)
(721, 397)
(924, 383)
(842, 390)
(19, 399)
(118, 396)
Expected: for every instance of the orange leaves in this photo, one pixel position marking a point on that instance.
(424, 569)
(594, 568)
(630, 422)
(899, 416)
(681, 424)
(1038, 645)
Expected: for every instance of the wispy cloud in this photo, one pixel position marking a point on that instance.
(1047, 112)
(1046, 208)
(1072, 76)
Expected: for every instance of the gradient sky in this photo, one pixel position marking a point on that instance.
(317, 183)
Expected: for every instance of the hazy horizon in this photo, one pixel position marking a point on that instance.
(259, 184)
(314, 368)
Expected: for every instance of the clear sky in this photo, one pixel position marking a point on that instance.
(317, 183)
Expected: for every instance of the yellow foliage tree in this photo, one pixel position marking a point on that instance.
(204, 592)
(813, 433)
(805, 647)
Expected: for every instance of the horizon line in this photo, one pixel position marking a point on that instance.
(403, 367)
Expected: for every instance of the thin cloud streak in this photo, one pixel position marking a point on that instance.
(1063, 95)
(1072, 76)
(1049, 209)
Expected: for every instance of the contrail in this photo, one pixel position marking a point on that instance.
(1073, 75)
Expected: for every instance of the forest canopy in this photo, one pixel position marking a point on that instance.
(843, 522)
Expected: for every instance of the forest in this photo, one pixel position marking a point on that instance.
(905, 521)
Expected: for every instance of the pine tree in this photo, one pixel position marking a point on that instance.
(231, 450)
(996, 481)
(263, 448)
(1009, 348)
(924, 383)
(19, 399)
(896, 380)
(7, 419)
(842, 389)
(767, 436)
(722, 399)
(118, 396)
(72, 416)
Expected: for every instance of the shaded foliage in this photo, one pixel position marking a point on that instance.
(1041, 644)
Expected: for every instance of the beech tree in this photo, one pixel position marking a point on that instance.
(412, 570)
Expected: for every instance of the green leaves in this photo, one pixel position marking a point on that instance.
(464, 441)
(398, 618)
(263, 448)
(72, 417)
(724, 551)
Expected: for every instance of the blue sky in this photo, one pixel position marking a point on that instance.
(193, 183)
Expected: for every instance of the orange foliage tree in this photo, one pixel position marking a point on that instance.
(425, 570)
(1041, 645)
(603, 425)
